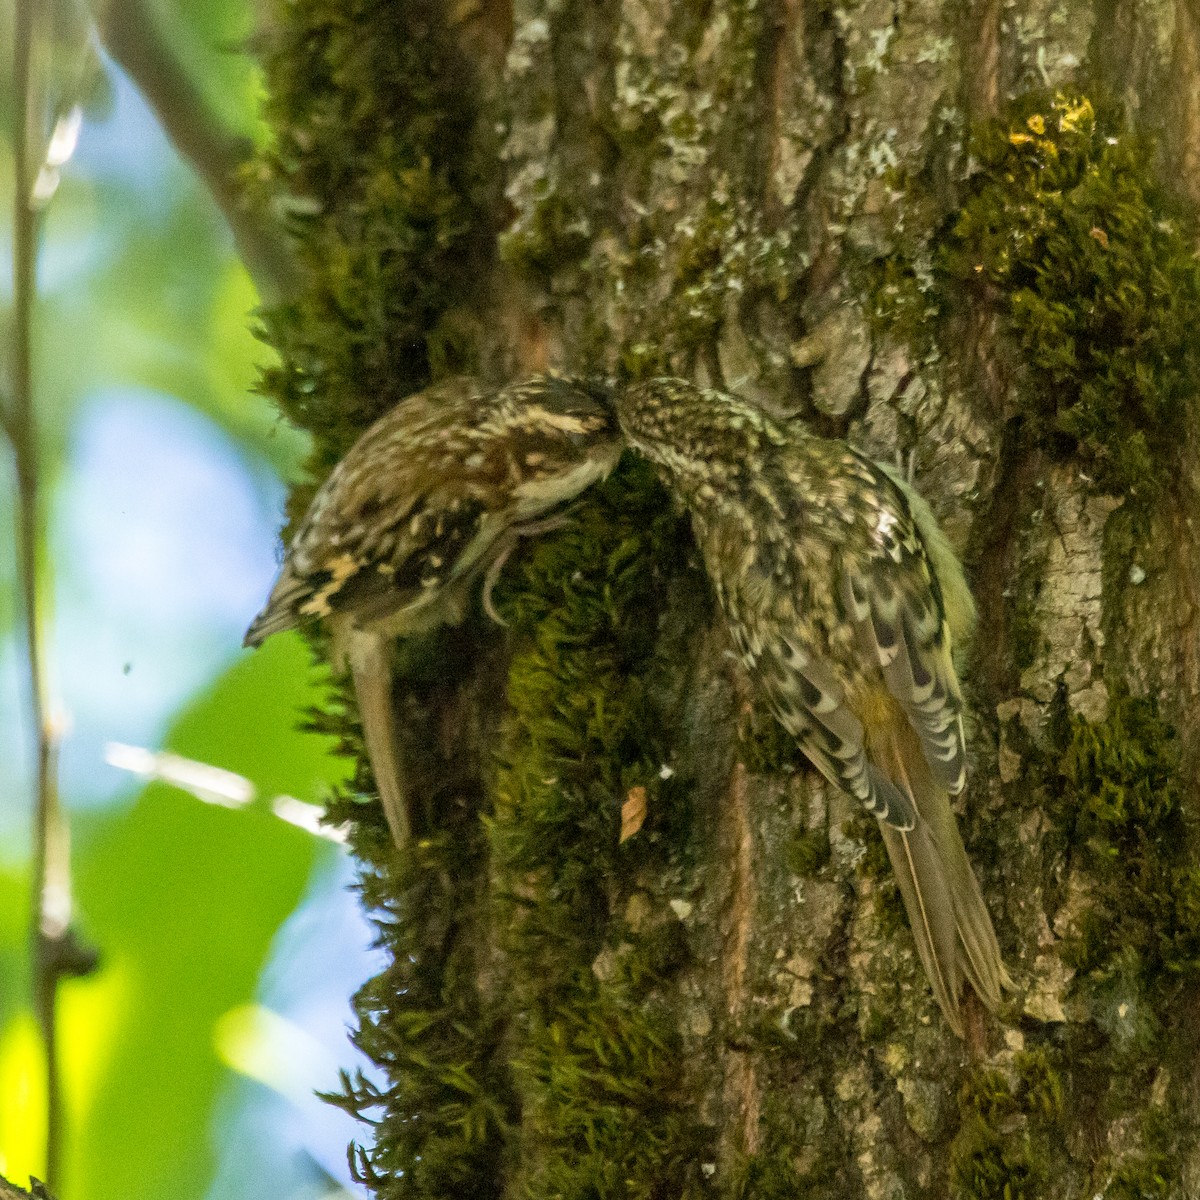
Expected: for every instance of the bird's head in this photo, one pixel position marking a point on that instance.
(703, 441)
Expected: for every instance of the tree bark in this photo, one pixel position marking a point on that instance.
(959, 236)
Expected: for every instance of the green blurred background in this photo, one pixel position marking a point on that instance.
(230, 940)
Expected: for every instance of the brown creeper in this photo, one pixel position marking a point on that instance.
(431, 498)
(843, 598)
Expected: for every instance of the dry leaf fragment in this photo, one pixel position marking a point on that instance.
(633, 812)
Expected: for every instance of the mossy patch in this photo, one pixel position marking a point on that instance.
(765, 746)
(1138, 939)
(1062, 230)
(1127, 909)
(803, 1154)
(371, 108)
(1072, 240)
(807, 851)
(595, 1051)
(441, 1119)
(1152, 1171)
(774, 1176)
(1009, 1144)
(372, 130)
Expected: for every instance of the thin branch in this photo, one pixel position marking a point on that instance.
(220, 157)
(55, 951)
(24, 442)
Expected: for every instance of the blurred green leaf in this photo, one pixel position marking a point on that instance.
(139, 289)
(183, 900)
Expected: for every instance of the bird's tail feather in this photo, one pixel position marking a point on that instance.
(950, 921)
(930, 908)
(981, 960)
(368, 656)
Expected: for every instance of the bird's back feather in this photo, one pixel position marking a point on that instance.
(844, 599)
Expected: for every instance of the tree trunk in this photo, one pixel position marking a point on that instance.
(938, 230)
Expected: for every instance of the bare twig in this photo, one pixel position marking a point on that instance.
(55, 951)
(220, 157)
(20, 427)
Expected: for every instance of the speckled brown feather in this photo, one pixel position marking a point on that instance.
(422, 498)
(430, 498)
(844, 601)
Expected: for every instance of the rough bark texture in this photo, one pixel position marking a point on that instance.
(941, 231)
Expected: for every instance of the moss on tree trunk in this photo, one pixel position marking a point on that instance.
(960, 234)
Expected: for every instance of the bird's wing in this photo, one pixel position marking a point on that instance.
(892, 596)
(370, 576)
(399, 516)
(811, 705)
(423, 499)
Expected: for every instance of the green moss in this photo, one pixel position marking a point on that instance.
(1138, 940)
(601, 1115)
(583, 729)
(802, 1155)
(596, 1055)
(551, 236)
(987, 1093)
(1065, 231)
(1040, 1082)
(903, 298)
(768, 1177)
(987, 1164)
(807, 851)
(1111, 794)
(1009, 1145)
(1062, 230)
(440, 1120)
(372, 128)
(1152, 1171)
(442, 1116)
(371, 108)
(1115, 793)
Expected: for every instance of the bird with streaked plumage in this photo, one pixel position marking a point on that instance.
(428, 503)
(844, 600)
